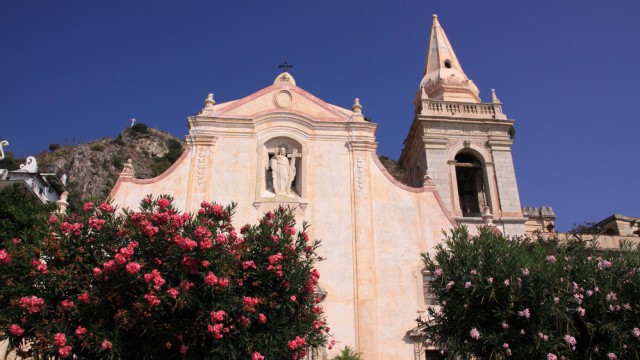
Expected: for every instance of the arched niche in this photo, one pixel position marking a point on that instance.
(281, 169)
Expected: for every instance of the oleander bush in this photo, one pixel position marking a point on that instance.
(533, 299)
(158, 284)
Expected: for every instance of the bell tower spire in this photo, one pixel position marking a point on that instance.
(443, 77)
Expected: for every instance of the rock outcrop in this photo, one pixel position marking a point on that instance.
(93, 168)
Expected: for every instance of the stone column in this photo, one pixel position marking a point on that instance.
(364, 250)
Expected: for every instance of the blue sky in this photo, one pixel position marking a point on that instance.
(567, 71)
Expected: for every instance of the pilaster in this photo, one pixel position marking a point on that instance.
(365, 293)
(200, 181)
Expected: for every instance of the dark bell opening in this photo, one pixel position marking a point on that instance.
(447, 64)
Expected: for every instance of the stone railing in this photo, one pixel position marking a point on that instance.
(484, 110)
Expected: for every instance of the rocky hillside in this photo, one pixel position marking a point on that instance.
(92, 168)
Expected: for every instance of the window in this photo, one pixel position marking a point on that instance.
(429, 296)
(471, 185)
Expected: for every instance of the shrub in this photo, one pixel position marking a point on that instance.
(54, 147)
(160, 284)
(96, 147)
(140, 128)
(533, 300)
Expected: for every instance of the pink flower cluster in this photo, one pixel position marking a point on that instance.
(157, 279)
(74, 228)
(16, 330)
(298, 342)
(524, 313)
(216, 328)
(40, 266)
(475, 334)
(250, 303)
(5, 257)
(60, 340)
(32, 304)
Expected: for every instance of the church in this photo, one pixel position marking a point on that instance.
(285, 146)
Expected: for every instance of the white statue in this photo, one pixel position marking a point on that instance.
(127, 170)
(30, 166)
(3, 143)
(62, 203)
(283, 170)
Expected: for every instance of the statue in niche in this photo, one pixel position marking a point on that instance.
(283, 170)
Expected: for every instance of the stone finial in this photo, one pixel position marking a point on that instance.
(209, 102)
(127, 170)
(62, 203)
(3, 143)
(357, 108)
(494, 98)
(30, 166)
(487, 216)
(133, 121)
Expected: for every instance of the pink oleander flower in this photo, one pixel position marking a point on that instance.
(152, 299)
(33, 304)
(524, 313)
(67, 305)
(173, 292)
(437, 273)
(505, 345)
(552, 259)
(467, 285)
(183, 349)
(490, 280)
(449, 285)
(262, 319)
(570, 340)
(211, 279)
(64, 351)
(16, 330)
(580, 310)
(106, 207)
(504, 325)
(106, 345)
(332, 344)
(163, 202)
(293, 298)
(59, 339)
(84, 298)
(80, 331)
(612, 356)
(604, 264)
(507, 282)
(257, 356)
(475, 334)
(636, 332)
(97, 272)
(525, 272)
(5, 258)
(132, 267)
(551, 356)
(88, 206)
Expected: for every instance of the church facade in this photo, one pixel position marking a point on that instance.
(284, 146)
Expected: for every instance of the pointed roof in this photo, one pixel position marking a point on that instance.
(443, 77)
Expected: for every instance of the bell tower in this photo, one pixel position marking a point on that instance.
(460, 144)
